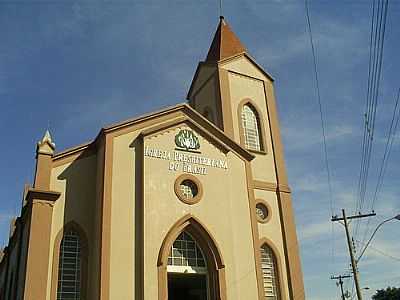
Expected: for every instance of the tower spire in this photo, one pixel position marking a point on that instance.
(225, 43)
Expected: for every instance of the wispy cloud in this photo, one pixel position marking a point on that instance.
(315, 230)
(309, 137)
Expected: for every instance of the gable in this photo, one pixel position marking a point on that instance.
(243, 64)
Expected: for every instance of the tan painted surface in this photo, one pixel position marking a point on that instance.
(77, 183)
(38, 263)
(24, 254)
(226, 216)
(243, 87)
(94, 261)
(12, 267)
(203, 74)
(243, 66)
(272, 231)
(122, 261)
(206, 97)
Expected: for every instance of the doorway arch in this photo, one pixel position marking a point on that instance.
(212, 257)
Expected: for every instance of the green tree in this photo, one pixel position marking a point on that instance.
(391, 293)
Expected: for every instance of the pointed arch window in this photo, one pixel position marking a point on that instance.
(269, 273)
(185, 256)
(69, 268)
(251, 128)
(190, 265)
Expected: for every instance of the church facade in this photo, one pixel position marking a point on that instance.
(191, 202)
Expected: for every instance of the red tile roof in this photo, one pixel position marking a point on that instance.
(225, 43)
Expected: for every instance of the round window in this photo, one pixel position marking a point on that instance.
(262, 212)
(188, 189)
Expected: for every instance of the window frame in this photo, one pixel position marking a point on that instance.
(277, 264)
(212, 254)
(178, 191)
(260, 124)
(71, 226)
(173, 268)
(267, 206)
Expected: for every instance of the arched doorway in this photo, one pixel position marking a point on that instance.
(190, 266)
(187, 270)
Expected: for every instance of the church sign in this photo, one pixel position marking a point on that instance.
(180, 160)
(187, 140)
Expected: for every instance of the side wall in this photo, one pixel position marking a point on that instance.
(76, 181)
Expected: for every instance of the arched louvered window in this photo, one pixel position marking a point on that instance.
(269, 273)
(251, 128)
(69, 268)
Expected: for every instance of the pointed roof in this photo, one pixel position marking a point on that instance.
(46, 145)
(225, 43)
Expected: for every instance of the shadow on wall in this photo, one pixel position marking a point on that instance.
(81, 204)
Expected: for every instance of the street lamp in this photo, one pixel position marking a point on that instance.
(373, 234)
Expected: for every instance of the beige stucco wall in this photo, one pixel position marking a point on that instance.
(12, 269)
(122, 260)
(206, 97)
(242, 65)
(24, 254)
(225, 214)
(204, 73)
(271, 230)
(244, 87)
(77, 183)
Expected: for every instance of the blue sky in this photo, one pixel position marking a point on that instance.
(76, 66)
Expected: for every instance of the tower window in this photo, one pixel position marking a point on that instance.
(251, 128)
(69, 271)
(269, 273)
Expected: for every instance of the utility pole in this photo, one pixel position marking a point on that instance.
(353, 261)
(340, 277)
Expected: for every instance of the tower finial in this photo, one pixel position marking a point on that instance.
(46, 145)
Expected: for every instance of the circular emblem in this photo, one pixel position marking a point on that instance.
(186, 139)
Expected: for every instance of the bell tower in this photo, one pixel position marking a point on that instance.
(232, 91)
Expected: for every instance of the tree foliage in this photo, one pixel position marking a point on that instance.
(391, 293)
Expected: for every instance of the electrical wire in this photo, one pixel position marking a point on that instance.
(377, 38)
(391, 136)
(325, 149)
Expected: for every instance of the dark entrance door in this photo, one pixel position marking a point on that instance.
(187, 286)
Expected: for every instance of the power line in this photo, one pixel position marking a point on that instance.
(325, 150)
(389, 143)
(380, 251)
(377, 38)
(388, 147)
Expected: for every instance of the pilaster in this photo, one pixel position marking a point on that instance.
(292, 255)
(39, 204)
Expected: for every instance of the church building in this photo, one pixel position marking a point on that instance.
(187, 203)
